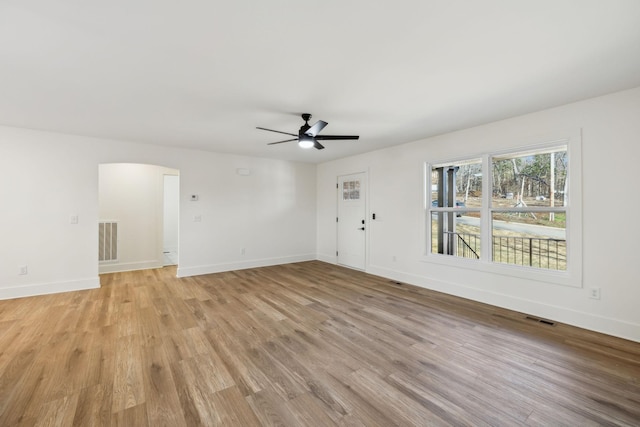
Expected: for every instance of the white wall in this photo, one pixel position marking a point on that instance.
(51, 176)
(132, 195)
(269, 213)
(46, 180)
(610, 128)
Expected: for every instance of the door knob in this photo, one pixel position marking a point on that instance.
(361, 228)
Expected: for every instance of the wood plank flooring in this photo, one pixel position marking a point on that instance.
(307, 344)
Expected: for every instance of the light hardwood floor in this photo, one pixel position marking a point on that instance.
(300, 344)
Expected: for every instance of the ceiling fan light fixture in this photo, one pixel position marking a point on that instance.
(307, 136)
(306, 141)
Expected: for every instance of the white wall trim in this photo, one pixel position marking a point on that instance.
(35, 289)
(243, 265)
(605, 325)
(129, 266)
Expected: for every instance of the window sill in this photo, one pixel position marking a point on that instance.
(564, 278)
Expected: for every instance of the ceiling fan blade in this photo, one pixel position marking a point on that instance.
(277, 131)
(280, 142)
(336, 137)
(316, 128)
(317, 145)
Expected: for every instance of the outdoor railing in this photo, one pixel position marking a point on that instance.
(468, 245)
(531, 251)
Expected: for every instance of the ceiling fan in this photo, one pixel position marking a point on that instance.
(308, 137)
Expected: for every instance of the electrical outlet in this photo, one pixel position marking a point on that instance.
(23, 270)
(242, 251)
(594, 293)
(73, 219)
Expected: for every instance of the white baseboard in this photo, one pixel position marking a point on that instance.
(331, 259)
(605, 325)
(219, 268)
(128, 266)
(49, 288)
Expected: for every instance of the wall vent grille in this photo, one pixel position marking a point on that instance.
(107, 241)
(544, 321)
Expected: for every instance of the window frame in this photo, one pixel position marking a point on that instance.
(572, 276)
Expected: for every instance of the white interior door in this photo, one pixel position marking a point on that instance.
(352, 220)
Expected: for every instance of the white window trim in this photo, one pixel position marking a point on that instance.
(570, 277)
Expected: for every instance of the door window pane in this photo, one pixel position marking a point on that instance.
(351, 190)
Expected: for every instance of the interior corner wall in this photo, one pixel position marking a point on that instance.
(264, 218)
(609, 127)
(132, 195)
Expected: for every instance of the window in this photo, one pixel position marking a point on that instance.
(529, 208)
(351, 190)
(508, 212)
(456, 199)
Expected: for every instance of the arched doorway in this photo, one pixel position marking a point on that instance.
(132, 213)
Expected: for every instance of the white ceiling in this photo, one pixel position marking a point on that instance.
(204, 73)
